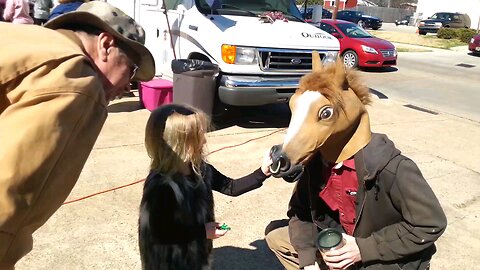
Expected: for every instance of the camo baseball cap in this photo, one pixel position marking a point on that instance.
(110, 19)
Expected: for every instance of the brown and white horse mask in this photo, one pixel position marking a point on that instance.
(328, 116)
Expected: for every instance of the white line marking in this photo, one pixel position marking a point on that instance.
(302, 107)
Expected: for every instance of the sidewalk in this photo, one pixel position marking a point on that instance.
(101, 232)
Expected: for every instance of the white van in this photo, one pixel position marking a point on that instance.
(260, 62)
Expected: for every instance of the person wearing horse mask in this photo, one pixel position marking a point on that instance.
(349, 179)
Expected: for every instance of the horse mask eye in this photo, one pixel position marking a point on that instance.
(325, 113)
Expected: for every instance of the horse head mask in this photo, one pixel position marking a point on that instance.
(328, 116)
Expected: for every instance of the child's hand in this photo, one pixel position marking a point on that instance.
(267, 162)
(212, 230)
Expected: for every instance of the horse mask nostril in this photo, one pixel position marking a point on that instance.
(280, 164)
(279, 161)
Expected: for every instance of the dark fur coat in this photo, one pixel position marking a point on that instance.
(173, 213)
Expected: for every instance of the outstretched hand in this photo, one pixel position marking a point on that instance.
(212, 230)
(266, 163)
(345, 256)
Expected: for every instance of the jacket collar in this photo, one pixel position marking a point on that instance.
(373, 158)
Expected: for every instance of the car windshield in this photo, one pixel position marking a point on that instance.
(249, 7)
(442, 16)
(353, 31)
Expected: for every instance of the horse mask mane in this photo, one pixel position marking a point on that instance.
(328, 116)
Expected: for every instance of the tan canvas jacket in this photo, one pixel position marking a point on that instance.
(52, 107)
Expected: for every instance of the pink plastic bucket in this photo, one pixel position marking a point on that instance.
(155, 93)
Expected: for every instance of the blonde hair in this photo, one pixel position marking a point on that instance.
(175, 136)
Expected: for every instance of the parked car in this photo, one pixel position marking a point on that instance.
(443, 19)
(326, 14)
(404, 21)
(474, 45)
(358, 17)
(358, 47)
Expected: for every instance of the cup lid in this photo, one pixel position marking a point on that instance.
(329, 238)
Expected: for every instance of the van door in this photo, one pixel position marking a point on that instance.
(152, 19)
(175, 10)
(456, 21)
(173, 13)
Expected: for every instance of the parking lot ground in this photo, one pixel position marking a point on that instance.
(100, 232)
(407, 35)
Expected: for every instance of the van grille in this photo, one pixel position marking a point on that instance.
(286, 60)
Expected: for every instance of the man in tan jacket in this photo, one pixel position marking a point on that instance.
(55, 84)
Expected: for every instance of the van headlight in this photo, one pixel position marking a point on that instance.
(330, 56)
(232, 54)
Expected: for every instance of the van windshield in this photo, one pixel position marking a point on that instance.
(251, 8)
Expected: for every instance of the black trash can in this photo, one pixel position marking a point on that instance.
(194, 83)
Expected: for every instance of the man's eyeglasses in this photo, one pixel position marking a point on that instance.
(133, 70)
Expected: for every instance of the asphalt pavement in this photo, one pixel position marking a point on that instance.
(98, 229)
(446, 81)
(399, 28)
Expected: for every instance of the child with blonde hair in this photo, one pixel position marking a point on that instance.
(177, 222)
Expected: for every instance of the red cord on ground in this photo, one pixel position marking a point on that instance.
(139, 181)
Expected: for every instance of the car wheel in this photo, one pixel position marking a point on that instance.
(350, 59)
(422, 33)
(361, 24)
(376, 28)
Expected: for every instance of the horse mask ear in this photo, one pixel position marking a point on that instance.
(316, 62)
(341, 74)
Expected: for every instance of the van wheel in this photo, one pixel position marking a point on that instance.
(350, 59)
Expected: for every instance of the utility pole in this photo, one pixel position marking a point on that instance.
(335, 10)
(478, 25)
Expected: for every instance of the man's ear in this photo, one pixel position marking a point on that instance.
(105, 42)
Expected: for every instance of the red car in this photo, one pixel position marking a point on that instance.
(358, 47)
(474, 45)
